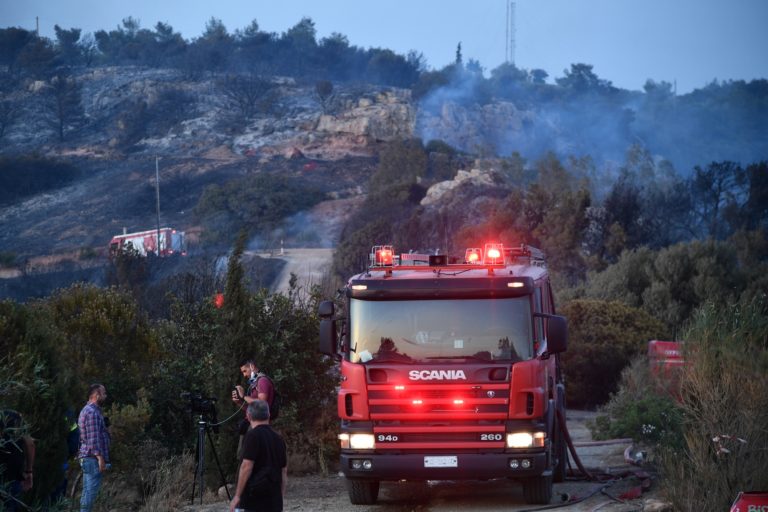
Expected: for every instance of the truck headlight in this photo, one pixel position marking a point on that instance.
(526, 439)
(361, 441)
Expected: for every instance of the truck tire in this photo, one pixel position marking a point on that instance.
(362, 492)
(538, 490)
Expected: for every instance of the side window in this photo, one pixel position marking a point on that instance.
(547, 299)
(537, 308)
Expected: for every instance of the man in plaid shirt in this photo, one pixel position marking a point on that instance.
(94, 445)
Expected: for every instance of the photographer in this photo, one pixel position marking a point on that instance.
(263, 474)
(259, 388)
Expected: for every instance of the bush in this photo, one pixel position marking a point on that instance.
(604, 337)
(33, 382)
(256, 204)
(639, 411)
(725, 407)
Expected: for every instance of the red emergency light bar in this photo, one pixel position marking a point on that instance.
(383, 257)
(494, 254)
(474, 256)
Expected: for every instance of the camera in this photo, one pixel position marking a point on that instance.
(202, 405)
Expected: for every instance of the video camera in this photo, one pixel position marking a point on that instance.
(202, 405)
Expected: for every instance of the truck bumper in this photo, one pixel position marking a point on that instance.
(469, 466)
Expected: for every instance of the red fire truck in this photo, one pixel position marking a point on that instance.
(146, 242)
(449, 371)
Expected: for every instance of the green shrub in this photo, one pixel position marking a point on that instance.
(257, 204)
(640, 410)
(604, 337)
(33, 382)
(725, 409)
(106, 339)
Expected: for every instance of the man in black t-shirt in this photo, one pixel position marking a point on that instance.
(264, 471)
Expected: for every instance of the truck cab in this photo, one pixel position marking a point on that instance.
(449, 370)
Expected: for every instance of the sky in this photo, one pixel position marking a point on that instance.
(685, 42)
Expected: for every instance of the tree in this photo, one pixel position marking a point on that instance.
(38, 58)
(67, 42)
(88, 48)
(211, 51)
(756, 207)
(63, 103)
(170, 46)
(400, 162)
(246, 94)
(324, 93)
(302, 44)
(538, 76)
(37, 383)
(581, 79)
(12, 42)
(603, 339)
(715, 189)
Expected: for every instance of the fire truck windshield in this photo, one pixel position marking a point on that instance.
(430, 330)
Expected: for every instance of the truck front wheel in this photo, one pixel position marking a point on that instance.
(363, 492)
(538, 491)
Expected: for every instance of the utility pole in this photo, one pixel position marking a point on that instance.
(37, 26)
(157, 196)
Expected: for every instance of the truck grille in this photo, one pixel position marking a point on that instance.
(439, 401)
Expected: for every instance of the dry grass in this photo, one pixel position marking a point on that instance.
(169, 485)
(725, 404)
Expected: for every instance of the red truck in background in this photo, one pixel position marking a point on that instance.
(666, 363)
(146, 242)
(449, 371)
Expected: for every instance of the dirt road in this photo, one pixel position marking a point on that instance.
(316, 493)
(309, 266)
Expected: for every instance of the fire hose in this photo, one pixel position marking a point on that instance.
(605, 479)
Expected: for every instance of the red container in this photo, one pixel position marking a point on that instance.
(751, 502)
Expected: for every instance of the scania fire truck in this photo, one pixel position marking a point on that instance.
(449, 370)
(145, 242)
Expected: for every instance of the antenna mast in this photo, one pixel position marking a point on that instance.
(510, 38)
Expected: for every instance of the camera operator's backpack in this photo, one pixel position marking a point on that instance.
(277, 398)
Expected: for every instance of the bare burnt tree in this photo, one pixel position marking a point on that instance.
(324, 93)
(63, 103)
(246, 94)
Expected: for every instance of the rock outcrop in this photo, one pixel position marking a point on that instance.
(472, 177)
(474, 127)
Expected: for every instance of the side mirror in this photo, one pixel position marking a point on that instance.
(328, 336)
(557, 334)
(326, 309)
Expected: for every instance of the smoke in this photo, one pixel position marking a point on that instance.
(306, 229)
(720, 122)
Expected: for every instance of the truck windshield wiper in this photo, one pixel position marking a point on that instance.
(476, 358)
(397, 357)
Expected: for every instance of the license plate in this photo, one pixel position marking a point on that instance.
(441, 462)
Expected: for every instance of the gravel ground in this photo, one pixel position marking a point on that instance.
(317, 493)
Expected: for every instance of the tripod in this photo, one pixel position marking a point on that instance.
(202, 429)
